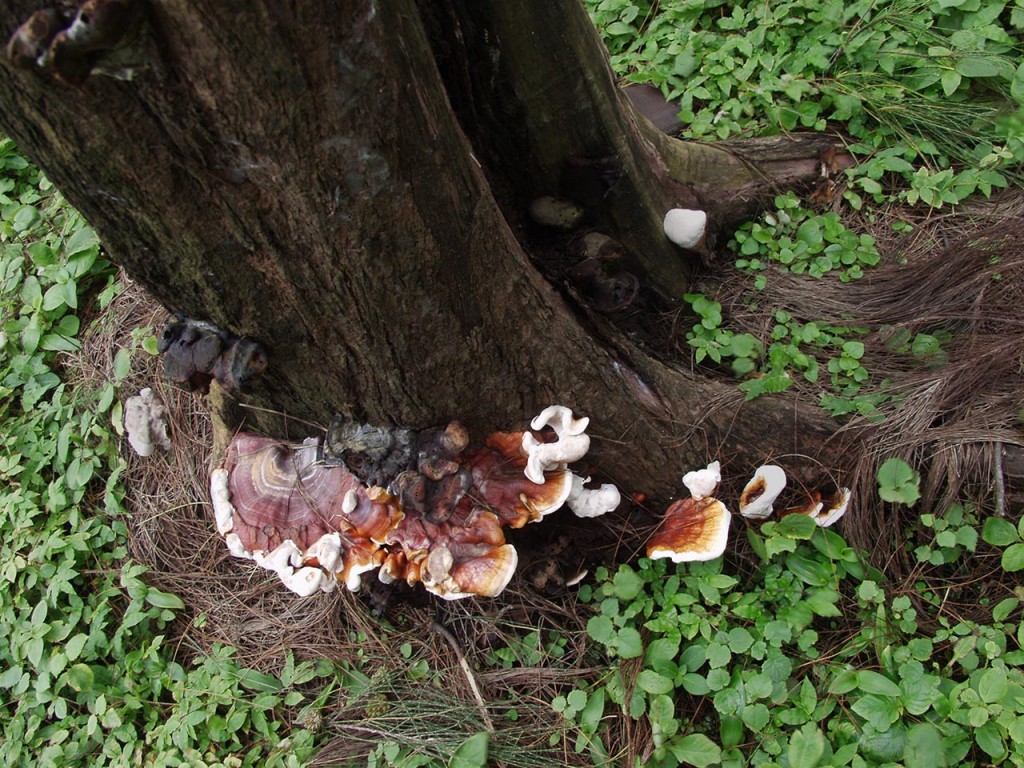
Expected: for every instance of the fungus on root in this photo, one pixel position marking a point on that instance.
(301, 512)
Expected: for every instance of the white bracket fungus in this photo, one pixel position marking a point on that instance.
(145, 422)
(586, 502)
(685, 227)
(760, 493)
(572, 444)
(702, 482)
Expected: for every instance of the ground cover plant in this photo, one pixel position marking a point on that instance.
(86, 677)
(136, 641)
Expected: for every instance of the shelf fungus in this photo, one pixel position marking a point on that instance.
(195, 353)
(434, 514)
(695, 528)
(824, 511)
(760, 493)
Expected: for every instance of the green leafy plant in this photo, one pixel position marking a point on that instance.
(898, 482)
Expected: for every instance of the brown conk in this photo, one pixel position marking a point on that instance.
(440, 523)
(195, 353)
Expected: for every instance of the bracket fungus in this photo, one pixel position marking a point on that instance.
(825, 512)
(434, 515)
(760, 493)
(145, 422)
(693, 529)
(571, 445)
(592, 502)
(195, 353)
(71, 43)
(686, 227)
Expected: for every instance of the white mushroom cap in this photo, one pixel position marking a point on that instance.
(326, 551)
(702, 482)
(145, 423)
(693, 529)
(223, 511)
(572, 444)
(284, 555)
(685, 227)
(560, 418)
(355, 575)
(586, 502)
(836, 509)
(759, 494)
(305, 581)
(544, 457)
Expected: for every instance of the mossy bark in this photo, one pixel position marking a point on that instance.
(344, 183)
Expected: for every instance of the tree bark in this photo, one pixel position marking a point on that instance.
(345, 182)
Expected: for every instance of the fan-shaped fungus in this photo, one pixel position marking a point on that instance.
(760, 493)
(693, 529)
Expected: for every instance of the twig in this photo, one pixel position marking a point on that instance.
(1000, 488)
(443, 631)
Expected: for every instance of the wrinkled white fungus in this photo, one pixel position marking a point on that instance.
(284, 555)
(560, 418)
(305, 581)
(235, 546)
(586, 502)
(326, 551)
(572, 444)
(146, 424)
(702, 482)
(760, 493)
(685, 227)
(223, 510)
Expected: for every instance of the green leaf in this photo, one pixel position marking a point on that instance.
(696, 749)
(627, 584)
(999, 532)
(880, 711)
(806, 747)
(122, 364)
(601, 629)
(872, 682)
(898, 482)
(653, 683)
(1013, 558)
(631, 645)
(80, 240)
(993, 685)
(81, 677)
(159, 599)
(990, 739)
(472, 753)
(924, 746)
(258, 682)
(800, 527)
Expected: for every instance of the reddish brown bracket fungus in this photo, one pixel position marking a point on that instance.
(825, 512)
(195, 353)
(760, 493)
(693, 529)
(439, 522)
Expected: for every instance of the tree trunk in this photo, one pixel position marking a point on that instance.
(346, 183)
